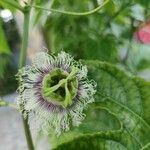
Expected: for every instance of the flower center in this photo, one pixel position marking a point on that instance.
(60, 87)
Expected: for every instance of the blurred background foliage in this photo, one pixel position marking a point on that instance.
(107, 35)
(9, 45)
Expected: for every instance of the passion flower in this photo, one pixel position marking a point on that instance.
(53, 92)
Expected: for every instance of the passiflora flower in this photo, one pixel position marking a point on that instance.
(53, 92)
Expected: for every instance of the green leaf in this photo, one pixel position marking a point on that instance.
(110, 7)
(11, 4)
(125, 98)
(143, 2)
(90, 125)
(100, 141)
(128, 98)
(4, 48)
(138, 59)
(4, 51)
(124, 89)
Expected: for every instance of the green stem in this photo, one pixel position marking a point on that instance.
(4, 103)
(72, 13)
(21, 64)
(28, 134)
(25, 38)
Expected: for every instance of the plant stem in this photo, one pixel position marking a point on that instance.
(21, 64)
(72, 13)
(25, 39)
(28, 134)
(4, 103)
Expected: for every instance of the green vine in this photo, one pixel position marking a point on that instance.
(72, 13)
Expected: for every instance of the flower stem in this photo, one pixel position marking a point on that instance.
(21, 64)
(28, 134)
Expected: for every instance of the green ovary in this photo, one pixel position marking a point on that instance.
(60, 87)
